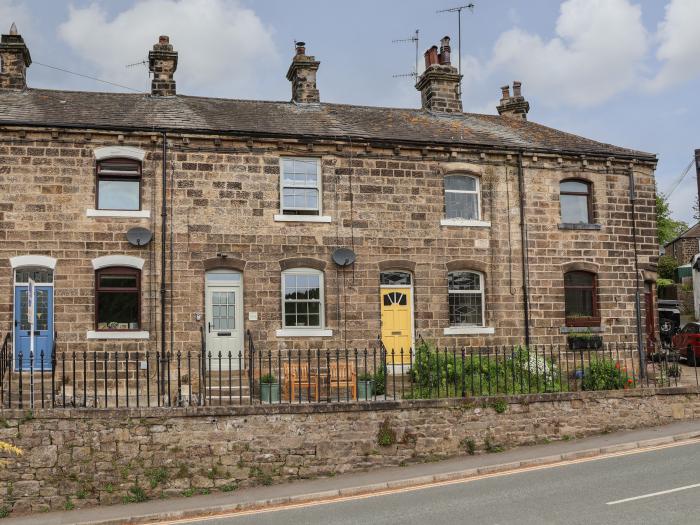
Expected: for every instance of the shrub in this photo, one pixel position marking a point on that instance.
(386, 435)
(380, 382)
(605, 374)
(500, 406)
(136, 495)
(268, 379)
(156, 476)
(667, 266)
(7, 448)
(470, 445)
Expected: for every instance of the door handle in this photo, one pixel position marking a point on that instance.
(209, 327)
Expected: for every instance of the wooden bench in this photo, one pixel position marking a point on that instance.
(344, 375)
(298, 376)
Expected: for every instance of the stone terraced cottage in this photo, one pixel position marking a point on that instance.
(464, 229)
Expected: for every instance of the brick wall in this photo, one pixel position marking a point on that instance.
(385, 202)
(91, 457)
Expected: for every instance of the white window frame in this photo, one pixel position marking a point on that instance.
(481, 292)
(459, 220)
(318, 217)
(297, 331)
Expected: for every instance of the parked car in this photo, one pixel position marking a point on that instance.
(687, 342)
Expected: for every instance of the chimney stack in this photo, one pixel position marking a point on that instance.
(302, 75)
(439, 83)
(14, 60)
(162, 62)
(515, 106)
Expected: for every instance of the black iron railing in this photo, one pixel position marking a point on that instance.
(5, 366)
(133, 379)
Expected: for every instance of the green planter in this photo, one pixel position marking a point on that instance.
(365, 390)
(270, 392)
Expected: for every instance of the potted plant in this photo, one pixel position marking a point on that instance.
(269, 389)
(584, 341)
(365, 386)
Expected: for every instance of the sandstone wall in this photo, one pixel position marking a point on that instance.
(386, 202)
(89, 457)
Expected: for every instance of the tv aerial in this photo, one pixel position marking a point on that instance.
(458, 10)
(413, 39)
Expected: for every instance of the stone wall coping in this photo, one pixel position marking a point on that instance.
(289, 409)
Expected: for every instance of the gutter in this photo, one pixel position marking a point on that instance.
(524, 250)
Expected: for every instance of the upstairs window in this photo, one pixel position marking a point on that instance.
(581, 299)
(119, 184)
(466, 298)
(462, 199)
(118, 299)
(575, 202)
(300, 192)
(302, 297)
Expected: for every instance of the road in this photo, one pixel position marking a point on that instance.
(587, 492)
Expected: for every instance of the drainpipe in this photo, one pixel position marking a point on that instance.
(524, 249)
(637, 299)
(164, 224)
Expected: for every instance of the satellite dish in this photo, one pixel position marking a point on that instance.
(139, 236)
(343, 256)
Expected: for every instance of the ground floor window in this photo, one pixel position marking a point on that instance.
(118, 299)
(302, 295)
(466, 298)
(580, 298)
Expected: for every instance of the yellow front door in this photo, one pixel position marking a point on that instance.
(397, 324)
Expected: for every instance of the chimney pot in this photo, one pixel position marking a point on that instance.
(13, 29)
(163, 39)
(516, 88)
(505, 92)
(300, 48)
(431, 57)
(445, 49)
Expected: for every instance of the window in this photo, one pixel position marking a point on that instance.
(302, 298)
(462, 200)
(466, 298)
(118, 184)
(395, 278)
(300, 192)
(575, 202)
(118, 299)
(580, 298)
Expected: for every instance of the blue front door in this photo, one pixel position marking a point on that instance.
(43, 329)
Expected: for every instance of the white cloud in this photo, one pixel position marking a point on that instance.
(222, 45)
(597, 53)
(679, 44)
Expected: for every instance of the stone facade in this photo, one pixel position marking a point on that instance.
(684, 248)
(90, 457)
(384, 198)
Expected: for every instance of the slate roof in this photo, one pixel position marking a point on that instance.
(691, 233)
(282, 119)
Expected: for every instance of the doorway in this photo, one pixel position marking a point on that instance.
(223, 319)
(43, 312)
(396, 300)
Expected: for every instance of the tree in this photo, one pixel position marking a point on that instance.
(667, 227)
(667, 266)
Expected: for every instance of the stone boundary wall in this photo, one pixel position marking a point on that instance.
(90, 457)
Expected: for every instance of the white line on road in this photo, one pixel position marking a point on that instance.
(651, 495)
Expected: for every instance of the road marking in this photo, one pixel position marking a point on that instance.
(651, 495)
(387, 492)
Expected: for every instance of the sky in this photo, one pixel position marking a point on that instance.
(624, 72)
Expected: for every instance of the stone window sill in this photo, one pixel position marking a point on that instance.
(302, 218)
(132, 214)
(304, 332)
(93, 334)
(579, 226)
(469, 330)
(581, 329)
(465, 223)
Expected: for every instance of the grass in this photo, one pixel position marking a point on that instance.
(156, 476)
(136, 495)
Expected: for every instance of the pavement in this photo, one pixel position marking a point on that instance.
(571, 482)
